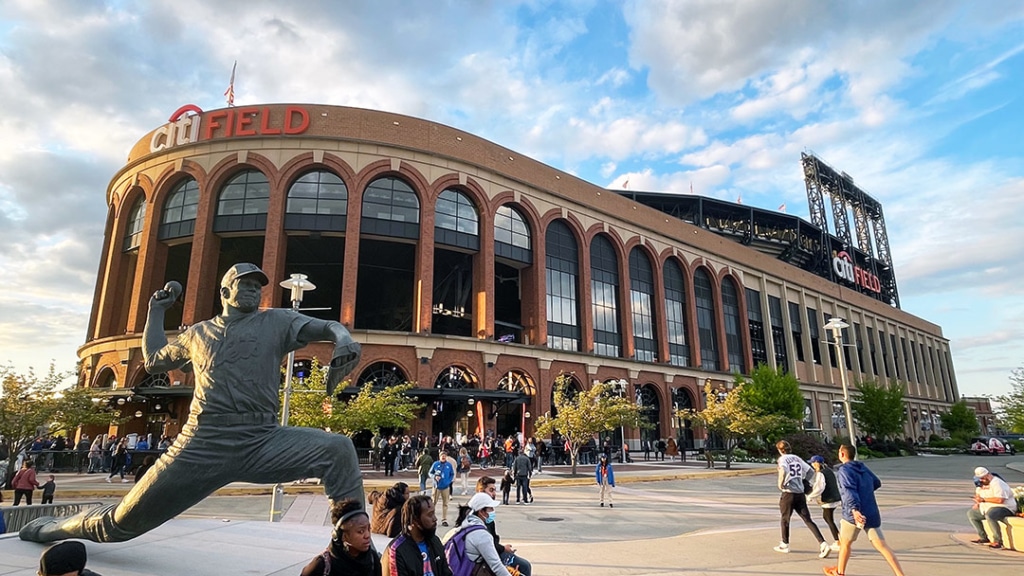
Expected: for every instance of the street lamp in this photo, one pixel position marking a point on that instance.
(836, 325)
(298, 283)
(620, 386)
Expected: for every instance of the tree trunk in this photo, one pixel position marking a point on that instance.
(574, 453)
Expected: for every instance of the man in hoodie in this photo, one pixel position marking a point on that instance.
(857, 484)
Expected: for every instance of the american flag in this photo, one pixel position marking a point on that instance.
(782, 207)
(230, 92)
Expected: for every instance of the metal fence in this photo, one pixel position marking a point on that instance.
(17, 516)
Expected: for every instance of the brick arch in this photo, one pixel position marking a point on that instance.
(574, 224)
(613, 236)
(101, 374)
(125, 203)
(533, 216)
(230, 166)
(471, 188)
(382, 168)
(303, 163)
(171, 177)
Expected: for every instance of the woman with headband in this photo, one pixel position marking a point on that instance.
(351, 551)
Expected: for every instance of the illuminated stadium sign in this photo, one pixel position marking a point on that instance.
(189, 124)
(844, 268)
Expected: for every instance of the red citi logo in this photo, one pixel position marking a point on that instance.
(844, 268)
(189, 124)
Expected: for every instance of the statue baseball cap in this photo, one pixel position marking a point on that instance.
(68, 556)
(243, 269)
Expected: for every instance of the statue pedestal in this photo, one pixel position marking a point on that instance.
(191, 546)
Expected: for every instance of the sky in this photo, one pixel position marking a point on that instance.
(920, 101)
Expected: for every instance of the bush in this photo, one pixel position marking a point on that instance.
(1018, 445)
(934, 438)
(806, 445)
(950, 443)
(866, 452)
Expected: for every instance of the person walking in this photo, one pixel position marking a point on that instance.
(390, 456)
(465, 465)
(444, 475)
(792, 473)
(605, 479)
(119, 460)
(25, 482)
(48, 489)
(423, 465)
(826, 492)
(857, 484)
(522, 469)
(96, 455)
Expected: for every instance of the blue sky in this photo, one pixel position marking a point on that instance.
(919, 101)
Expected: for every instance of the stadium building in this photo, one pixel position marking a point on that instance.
(481, 275)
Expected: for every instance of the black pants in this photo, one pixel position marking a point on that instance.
(791, 502)
(19, 493)
(47, 499)
(523, 489)
(829, 514)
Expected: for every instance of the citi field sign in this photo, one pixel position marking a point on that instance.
(189, 124)
(844, 268)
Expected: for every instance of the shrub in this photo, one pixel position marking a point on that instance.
(866, 452)
(950, 443)
(806, 445)
(1018, 445)
(934, 438)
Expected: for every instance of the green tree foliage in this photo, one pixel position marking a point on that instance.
(878, 411)
(372, 409)
(730, 418)
(772, 393)
(31, 405)
(583, 414)
(1011, 406)
(960, 422)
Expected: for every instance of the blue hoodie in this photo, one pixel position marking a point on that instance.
(857, 486)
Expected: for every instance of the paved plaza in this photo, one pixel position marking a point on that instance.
(668, 519)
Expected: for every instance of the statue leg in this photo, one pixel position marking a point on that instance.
(289, 453)
(169, 488)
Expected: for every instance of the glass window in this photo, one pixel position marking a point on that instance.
(731, 316)
(797, 329)
(510, 228)
(136, 222)
(675, 314)
(454, 211)
(706, 333)
(318, 192)
(641, 296)
(562, 287)
(812, 327)
(755, 325)
(246, 193)
(604, 288)
(182, 203)
(778, 334)
(391, 199)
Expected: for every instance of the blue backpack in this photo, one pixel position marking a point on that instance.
(455, 552)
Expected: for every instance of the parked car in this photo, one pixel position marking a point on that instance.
(990, 445)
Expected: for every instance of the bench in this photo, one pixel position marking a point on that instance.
(1012, 528)
(17, 516)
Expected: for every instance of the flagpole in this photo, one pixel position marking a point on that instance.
(230, 92)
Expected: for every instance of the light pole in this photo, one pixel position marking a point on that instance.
(621, 386)
(836, 325)
(298, 284)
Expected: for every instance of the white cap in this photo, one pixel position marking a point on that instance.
(482, 500)
(981, 471)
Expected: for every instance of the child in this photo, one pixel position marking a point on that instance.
(506, 485)
(48, 489)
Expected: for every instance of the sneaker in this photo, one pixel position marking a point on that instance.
(835, 546)
(782, 547)
(610, 505)
(831, 571)
(980, 541)
(108, 480)
(824, 550)
(995, 545)
(602, 504)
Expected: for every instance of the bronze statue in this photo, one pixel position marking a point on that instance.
(232, 432)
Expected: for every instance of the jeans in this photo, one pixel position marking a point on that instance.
(988, 523)
(524, 566)
(523, 488)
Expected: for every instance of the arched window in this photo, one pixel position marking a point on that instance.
(641, 296)
(516, 381)
(456, 222)
(317, 200)
(675, 315)
(650, 412)
(381, 375)
(455, 378)
(179, 217)
(391, 208)
(242, 204)
(136, 222)
(731, 315)
(562, 288)
(604, 293)
(511, 235)
(706, 333)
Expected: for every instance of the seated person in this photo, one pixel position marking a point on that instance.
(65, 559)
(350, 552)
(472, 527)
(993, 501)
(387, 509)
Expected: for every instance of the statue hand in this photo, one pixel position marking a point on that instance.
(162, 299)
(346, 357)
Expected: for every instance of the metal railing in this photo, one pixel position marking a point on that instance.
(17, 516)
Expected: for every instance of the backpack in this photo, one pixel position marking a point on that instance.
(465, 463)
(455, 552)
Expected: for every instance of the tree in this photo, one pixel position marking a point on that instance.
(1011, 406)
(769, 392)
(730, 418)
(31, 405)
(961, 422)
(879, 410)
(583, 414)
(371, 409)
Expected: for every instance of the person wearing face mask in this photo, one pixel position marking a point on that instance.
(471, 528)
(350, 552)
(488, 485)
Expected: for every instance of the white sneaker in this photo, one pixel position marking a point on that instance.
(834, 547)
(108, 479)
(782, 547)
(824, 550)
(125, 480)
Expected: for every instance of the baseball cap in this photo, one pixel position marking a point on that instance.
(817, 459)
(243, 269)
(482, 500)
(980, 471)
(68, 556)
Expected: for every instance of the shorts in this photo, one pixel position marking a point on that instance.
(848, 532)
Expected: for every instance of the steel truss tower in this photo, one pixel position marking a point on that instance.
(846, 197)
